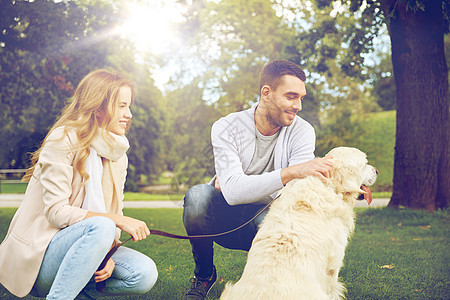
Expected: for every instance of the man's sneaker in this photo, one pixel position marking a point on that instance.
(200, 288)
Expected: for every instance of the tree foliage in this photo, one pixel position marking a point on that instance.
(231, 42)
(45, 50)
(37, 51)
(187, 139)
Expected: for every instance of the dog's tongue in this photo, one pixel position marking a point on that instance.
(368, 194)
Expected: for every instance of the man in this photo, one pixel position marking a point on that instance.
(256, 152)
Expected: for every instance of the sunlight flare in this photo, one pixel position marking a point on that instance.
(150, 25)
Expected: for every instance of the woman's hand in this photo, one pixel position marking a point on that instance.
(136, 228)
(106, 272)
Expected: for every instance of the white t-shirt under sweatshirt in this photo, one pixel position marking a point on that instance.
(234, 138)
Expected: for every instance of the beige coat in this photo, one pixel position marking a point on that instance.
(52, 201)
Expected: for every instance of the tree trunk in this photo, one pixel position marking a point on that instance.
(421, 162)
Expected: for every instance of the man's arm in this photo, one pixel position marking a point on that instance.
(301, 160)
(320, 167)
(239, 188)
(229, 142)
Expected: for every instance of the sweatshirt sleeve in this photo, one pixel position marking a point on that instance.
(228, 143)
(55, 165)
(302, 141)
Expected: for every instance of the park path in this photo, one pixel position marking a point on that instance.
(14, 200)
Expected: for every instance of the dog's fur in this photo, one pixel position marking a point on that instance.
(300, 246)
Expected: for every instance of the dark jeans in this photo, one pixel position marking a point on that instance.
(207, 212)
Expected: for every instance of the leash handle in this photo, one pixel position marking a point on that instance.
(100, 286)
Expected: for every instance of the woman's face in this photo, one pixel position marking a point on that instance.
(121, 119)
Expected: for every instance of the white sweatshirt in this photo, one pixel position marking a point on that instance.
(233, 139)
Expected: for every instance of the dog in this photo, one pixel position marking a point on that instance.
(300, 245)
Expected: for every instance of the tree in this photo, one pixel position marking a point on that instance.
(188, 136)
(231, 42)
(416, 29)
(422, 162)
(43, 53)
(45, 50)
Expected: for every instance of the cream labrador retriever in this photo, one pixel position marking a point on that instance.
(300, 246)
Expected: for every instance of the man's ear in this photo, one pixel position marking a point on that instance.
(265, 92)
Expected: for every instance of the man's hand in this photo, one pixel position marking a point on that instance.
(217, 185)
(106, 272)
(319, 167)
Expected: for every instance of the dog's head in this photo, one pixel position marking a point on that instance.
(352, 174)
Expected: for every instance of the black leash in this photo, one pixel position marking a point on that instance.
(205, 236)
(100, 286)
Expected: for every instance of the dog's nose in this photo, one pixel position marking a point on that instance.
(376, 170)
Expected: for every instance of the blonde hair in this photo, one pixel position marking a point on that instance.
(97, 92)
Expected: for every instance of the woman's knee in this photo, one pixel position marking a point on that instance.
(147, 276)
(136, 269)
(103, 228)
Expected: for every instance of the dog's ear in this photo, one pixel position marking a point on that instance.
(346, 177)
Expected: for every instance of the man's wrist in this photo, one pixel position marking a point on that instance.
(286, 175)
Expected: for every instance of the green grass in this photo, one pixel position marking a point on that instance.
(131, 196)
(13, 188)
(381, 194)
(19, 188)
(415, 243)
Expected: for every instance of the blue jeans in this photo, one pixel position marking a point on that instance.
(207, 212)
(75, 253)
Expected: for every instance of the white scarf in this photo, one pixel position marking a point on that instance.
(93, 199)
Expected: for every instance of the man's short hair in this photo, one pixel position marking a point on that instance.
(272, 72)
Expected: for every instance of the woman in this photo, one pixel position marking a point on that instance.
(72, 211)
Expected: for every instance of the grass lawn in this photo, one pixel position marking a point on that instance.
(13, 188)
(19, 188)
(392, 255)
(131, 196)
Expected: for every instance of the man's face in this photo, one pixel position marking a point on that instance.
(285, 101)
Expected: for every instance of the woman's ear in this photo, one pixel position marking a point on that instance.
(99, 116)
